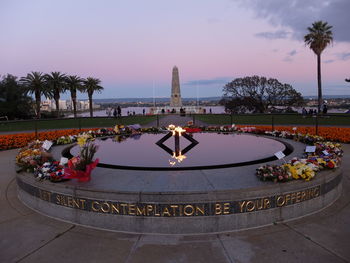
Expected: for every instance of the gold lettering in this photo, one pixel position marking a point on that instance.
(141, 211)
(218, 209)
(93, 206)
(298, 197)
(259, 204)
(166, 212)
(173, 207)
(63, 200)
(226, 208)
(156, 211)
(190, 213)
(252, 206)
(70, 201)
(317, 191)
(266, 203)
(307, 194)
(115, 208)
(123, 206)
(45, 195)
(287, 198)
(241, 204)
(105, 207)
(82, 203)
(76, 203)
(303, 196)
(293, 198)
(58, 199)
(149, 209)
(131, 209)
(200, 209)
(279, 203)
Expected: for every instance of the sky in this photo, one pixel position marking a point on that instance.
(132, 46)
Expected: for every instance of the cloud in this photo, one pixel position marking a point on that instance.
(215, 81)
(292, 53)
(279, 34)
(329, 61)
(300, 14)
(343, 56)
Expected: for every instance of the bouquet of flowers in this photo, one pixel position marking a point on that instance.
(52, 171)
(66, 139)
(80, 167)
(32, 156)
(275, 173)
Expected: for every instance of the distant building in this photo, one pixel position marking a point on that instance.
(66, 105)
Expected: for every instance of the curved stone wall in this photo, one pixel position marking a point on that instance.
(180, 212)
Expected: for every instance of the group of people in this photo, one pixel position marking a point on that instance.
(314, 111)
(117, 112)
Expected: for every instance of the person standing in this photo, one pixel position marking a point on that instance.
(115, 113)
(119, 111)
(325, 109)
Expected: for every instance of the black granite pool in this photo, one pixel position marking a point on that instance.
(212, 151)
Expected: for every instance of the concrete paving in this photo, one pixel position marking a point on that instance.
(26, 236)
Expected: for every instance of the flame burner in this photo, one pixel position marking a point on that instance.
(177, 154)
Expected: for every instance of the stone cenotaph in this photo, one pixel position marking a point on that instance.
(175, 99)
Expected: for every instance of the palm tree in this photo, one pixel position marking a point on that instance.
(56, 82)
(34, 83)
(74, 84)
(90, 86)
(319, 37)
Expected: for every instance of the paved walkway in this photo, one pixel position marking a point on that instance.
(26, 236)
(177, 120)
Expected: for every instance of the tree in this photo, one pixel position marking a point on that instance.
(34, 83)
(90, 86)
(74, 84)
(258, 93)
(56, 82)
(319, 37)
(347, 80)
(14, 102)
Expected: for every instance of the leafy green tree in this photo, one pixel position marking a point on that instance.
(90, 86)
(258, 94)
(34, 83)
(56, 82)
(14, 102)
(74, 84)
(319, 37)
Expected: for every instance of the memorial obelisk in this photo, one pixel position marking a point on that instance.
(175, 100)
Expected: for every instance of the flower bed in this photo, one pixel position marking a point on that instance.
(326, 155)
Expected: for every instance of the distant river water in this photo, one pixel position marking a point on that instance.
(214, 109)
(139, 110)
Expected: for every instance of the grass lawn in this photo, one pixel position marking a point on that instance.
(49, 124)
(278, 119)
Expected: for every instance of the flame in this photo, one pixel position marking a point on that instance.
(174, 129)
(179, 158)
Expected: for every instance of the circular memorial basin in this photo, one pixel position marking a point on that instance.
(212, 151)
(217, 192)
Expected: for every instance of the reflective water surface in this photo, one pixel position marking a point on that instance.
(212, 149)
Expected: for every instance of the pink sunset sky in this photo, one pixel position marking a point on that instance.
(133, 45)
